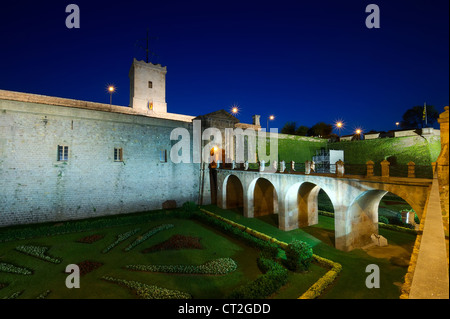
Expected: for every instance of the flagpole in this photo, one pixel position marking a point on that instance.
(426, 120)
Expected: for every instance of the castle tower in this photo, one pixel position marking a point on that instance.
(148, 87)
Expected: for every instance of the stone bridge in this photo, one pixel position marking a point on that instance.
(294, 197)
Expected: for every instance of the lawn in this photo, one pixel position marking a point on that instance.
(51, 277)
(351, 281)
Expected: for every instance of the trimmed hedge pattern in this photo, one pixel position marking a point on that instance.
(220, 266)
(275, 276)
(315, 290)
(10, 268)
(38, 252)
(148, 234)
(120, 238)
(145, 291)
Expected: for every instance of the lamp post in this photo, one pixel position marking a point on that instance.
(397, 124)
(234, 110)
(271, 117)
(111, 90)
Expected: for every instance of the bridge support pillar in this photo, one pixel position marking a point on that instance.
(357, 221)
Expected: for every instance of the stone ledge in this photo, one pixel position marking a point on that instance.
(57, 101)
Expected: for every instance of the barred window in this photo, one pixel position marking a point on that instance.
(118, 154)
(63, 153)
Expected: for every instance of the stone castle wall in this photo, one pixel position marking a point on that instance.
(36, 187)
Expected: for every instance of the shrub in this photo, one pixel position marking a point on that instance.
(38, 252)
(220, 266)
(120, 238)
(44, 294)
(383, 219)
(270, 248)
(145, 291)
(148, 234)
(10, 268)
(299, 256)
(189, 207)
(396, 220)
(275, 276)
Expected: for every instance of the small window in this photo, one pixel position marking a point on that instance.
(63, 153)
(163, 156)
(118, 154)
(150, 84)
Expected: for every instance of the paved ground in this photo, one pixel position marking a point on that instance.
(430, 279)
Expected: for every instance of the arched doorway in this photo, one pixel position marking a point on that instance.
(234, 194)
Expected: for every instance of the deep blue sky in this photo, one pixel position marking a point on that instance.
(303, 61)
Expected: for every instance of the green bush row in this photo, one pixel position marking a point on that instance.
(274, 277)
(145, 291)
(120, 238)
(269, 248)
(220, 266)
(38, 252)
(13, 269)
(298, 256)
(148, 234)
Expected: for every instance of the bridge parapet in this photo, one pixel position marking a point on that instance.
(370, 170)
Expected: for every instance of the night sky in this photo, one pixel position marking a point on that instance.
(303, 61)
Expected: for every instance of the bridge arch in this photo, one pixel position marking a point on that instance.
(233, 193)
(262, 198)
(362, 218)
(301, 204)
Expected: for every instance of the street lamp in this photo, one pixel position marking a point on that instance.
(234, 110)
(271, 117)
(339, 125)
(397, 124)
(111, 90)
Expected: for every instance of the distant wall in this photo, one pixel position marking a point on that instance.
(298, 148)
(420, 150)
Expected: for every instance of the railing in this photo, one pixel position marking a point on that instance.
(340, 169)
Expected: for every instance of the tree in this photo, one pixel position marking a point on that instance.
(320, 129)
(289, 128)
(413, 118)
(302, 130)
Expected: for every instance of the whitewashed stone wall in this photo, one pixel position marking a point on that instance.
(35, 187)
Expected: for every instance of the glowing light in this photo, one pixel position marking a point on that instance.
(271, 117)
(234, 110)
(358, 131)
(111, 88)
